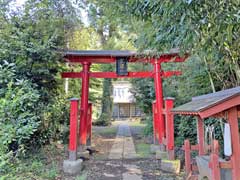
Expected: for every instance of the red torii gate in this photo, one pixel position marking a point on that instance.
(87, 58)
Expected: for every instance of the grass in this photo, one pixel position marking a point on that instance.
(32, 169)
(143, 150)
(136, 123)
(112, 130)
(40, 165)
(106, 131)
(36, 166)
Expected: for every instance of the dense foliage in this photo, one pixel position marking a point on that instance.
(209, 30)
(33, 110)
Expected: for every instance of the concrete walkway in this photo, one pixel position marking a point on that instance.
(123, 148)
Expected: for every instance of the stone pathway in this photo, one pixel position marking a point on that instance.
(120, 160)
(123, 148)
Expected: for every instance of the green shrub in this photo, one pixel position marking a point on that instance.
(19, 119)
(185, 128)
(18, 116)
(148, 130)
(55, 120)
(103, 120)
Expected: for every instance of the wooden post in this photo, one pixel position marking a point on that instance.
(235, 158)
(73, 129)
(169, 127)
(187, 149)
(200, 134)
(214, 162)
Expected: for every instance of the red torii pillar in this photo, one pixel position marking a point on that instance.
(84, 104)
(169, 129)
(159, 101)
(72, 148)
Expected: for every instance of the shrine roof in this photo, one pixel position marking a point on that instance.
(214, 102)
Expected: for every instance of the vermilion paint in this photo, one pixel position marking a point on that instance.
(73, 125)
(84, 104)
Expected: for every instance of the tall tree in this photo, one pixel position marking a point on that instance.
(86, 38)
(111, 37)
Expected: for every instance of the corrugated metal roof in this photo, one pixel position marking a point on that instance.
(203, 102)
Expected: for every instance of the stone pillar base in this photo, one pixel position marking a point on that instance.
(162, 147)
(154, 148)
(171, 155)
(161, 155)
(72, 167)
(171, 166)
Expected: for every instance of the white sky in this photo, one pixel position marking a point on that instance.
(20, 2)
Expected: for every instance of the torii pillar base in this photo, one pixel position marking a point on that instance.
(72, 167)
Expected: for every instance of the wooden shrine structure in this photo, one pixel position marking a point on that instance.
(225, 105)
(80, 129)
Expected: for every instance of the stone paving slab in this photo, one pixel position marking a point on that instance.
(123, 146)
(129, 149)
(133, 172)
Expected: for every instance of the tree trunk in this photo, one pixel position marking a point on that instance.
(209, 75)
(106, 113)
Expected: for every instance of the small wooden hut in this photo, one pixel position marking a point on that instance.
(225, 105)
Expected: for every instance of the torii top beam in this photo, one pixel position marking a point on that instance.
(110, 56)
